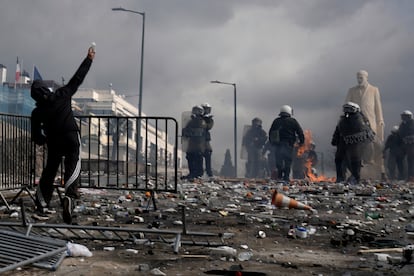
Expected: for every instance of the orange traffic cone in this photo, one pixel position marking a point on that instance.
(280, 200)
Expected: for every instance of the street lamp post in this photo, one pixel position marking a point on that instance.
(141, 70)
(235, 122)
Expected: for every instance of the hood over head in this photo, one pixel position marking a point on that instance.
(40, 92)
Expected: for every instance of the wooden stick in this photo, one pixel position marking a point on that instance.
(195, 256)
(379, 250)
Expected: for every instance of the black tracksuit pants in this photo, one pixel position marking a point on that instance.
(66, 146)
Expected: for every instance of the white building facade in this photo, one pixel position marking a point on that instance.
(157, 142)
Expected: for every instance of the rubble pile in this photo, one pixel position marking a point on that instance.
(348, 229)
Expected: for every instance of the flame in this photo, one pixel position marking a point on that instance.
(316, 178)
(306, 146)
(308, 163)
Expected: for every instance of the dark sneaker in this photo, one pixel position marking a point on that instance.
(67, 209)
(39, 207)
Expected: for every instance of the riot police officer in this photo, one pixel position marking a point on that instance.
(254, 140)
(351, 135)
(195, 133)
(283, 134)
(208, 118)
(395, 156)
(406, 132)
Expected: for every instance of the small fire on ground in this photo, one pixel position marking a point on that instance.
(306, 147)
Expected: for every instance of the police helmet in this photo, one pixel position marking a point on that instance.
(351, 107)
(286, 109)
(394, 129)
(406, 115)
(206, 107)
(257, 121)
(197, 110)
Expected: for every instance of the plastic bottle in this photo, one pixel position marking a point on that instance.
(373, 215)
(244, 256)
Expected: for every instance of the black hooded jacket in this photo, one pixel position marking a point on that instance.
(287, 129)
(53, 113)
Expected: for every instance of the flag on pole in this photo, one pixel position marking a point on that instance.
(17, 70)
(36, 74)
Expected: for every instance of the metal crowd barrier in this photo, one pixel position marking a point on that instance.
(114, 158)
(16, 154)
(112, 155)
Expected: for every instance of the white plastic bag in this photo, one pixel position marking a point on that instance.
(78, 250)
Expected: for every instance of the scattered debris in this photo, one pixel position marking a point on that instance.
(297, 226)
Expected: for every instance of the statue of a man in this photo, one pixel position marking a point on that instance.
(368, 98)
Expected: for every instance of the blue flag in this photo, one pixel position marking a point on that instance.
(36, 74)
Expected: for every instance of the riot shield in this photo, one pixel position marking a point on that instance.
(185, 118)
(243, 154)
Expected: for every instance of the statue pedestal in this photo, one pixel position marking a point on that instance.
(371, 171)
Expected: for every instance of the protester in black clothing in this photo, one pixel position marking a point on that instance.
(406, 132)
(208, 118)
(195, 134)
(53, 123)
(351, 135)
(395, 156)
(254, 140)
(283, 134)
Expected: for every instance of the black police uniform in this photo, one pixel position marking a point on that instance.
(351, 136)
(283, 134)
(208, 149)
(254, 140)
(406, 132)
(195, 131)
(394, 145)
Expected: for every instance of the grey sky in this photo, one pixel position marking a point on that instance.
(304, 53)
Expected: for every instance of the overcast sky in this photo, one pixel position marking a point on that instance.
(304, 53)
